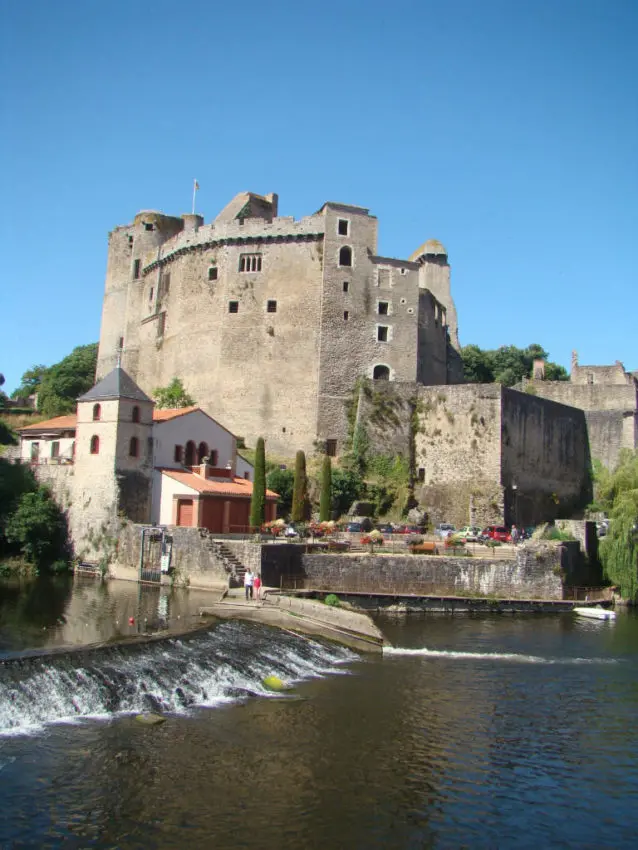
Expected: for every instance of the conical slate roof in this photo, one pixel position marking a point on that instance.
(117, 384)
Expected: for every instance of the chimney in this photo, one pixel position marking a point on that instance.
(538, 370)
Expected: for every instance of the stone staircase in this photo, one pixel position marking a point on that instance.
(231, 563)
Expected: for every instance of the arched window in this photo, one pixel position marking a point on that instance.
(381, 373)
(345, 256)
(202, 452)
(213, 457)
(95, 444)
(189, 454)
(133, 447)
(97, 412)
(136, 414)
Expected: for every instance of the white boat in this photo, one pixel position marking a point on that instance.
(596, 613)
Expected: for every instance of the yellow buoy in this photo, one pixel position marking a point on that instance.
(274, 683)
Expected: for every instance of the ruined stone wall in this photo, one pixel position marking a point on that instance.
(587, 396)
(457, 453)
(545, 461)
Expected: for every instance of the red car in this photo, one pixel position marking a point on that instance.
(497, 532)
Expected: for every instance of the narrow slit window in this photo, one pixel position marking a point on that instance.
(233, 306)
(346, 286)
(137, 266)
(133, 447)
(346, 315)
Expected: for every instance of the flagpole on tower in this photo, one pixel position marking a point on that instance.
(195, 188)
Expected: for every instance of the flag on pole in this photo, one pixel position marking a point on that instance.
(195, 188)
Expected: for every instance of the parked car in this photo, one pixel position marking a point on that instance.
(354, 526)
(444, 529)
(385, 528)
(291, 531)
(496, 532)
(469, 533)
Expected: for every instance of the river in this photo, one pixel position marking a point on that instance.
(472, 731)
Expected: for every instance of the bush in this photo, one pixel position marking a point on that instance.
(38, 528)
(333, 600)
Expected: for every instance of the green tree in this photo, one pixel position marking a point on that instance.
(325, 503)
(173, 395)
(300, 504)
(507, 365)
(15, 481)
(258, 499)
(619, 548)
(282, 481)
(347, 487)
(38, 527)
(30, 382)
(7, 437)
(63, 382)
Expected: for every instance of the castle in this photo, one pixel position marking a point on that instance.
(269, 321)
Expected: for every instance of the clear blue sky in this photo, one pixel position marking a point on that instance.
(508, 129)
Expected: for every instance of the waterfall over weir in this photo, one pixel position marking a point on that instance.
(225, 664)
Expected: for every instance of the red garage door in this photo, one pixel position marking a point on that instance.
(185, 512)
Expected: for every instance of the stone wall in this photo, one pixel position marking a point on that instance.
(534, 572)
(195, 563)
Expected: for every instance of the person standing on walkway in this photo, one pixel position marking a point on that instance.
(249, 578)
(257, 586)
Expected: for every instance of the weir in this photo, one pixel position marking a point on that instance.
(175, 675)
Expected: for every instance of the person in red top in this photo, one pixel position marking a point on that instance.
(257, 586)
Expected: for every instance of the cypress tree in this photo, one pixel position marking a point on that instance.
(299, 511)
(258, 500)
(325, 504)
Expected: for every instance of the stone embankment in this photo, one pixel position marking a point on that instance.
(308, 616)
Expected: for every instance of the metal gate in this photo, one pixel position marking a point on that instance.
(155, 554)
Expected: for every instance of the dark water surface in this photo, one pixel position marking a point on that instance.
(481, 731)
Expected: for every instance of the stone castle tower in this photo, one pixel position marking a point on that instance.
(113, 458)
(269, 321)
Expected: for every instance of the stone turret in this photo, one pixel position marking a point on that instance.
(434, 274)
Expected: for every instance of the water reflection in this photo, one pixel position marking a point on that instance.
(52, 612)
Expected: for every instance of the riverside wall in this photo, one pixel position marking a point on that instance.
(535, 571)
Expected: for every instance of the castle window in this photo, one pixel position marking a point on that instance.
(137, 266)
(95, 445)
(382, 333)
(233, 306)
(130, 241)
(331, 448)
(212, 273)
(97, 412)
(150, 293)
(382, 308)
(250, 262)
(177, 456)
(381, 373)
(133, 447)
(342, 227)
(189, 457)
(421, 473)
(346, 315)
(135, 414)
(345, 256)
(346, 286)
(213, 457)
(121, 343)
(271, 307)
(148, 226)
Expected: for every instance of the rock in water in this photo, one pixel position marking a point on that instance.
(150, 719)
(274, 683)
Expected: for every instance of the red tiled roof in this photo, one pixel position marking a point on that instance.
(59, 423)
(172, 412)
(230, 487)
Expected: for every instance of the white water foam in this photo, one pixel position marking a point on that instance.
(492, 656)
(177, 677)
